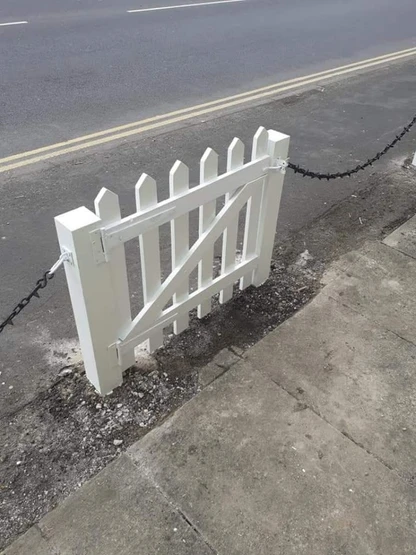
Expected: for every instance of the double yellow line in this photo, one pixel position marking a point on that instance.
(123, 131)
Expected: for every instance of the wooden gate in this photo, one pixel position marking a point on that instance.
(97, 279)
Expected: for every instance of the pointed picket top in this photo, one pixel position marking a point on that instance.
(235, 154)
(107, 205)
(235, 159)
(107, 208)
(146, 192)
(208, 171)
(179, 184)
(178, 178)
(209, 165)
(260, 143)
(146, 197)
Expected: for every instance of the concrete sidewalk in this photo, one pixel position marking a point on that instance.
(307, 446)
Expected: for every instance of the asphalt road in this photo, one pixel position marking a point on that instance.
(79, 66)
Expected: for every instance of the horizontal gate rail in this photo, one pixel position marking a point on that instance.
(132, 226)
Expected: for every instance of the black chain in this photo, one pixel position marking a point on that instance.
(40, 284)
(317, 175)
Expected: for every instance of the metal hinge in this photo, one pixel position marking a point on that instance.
(98, 247)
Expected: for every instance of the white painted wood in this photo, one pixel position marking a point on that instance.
(146, 197)
(98, 278)
(93, 299)
(107, 208)
(136, 224)
(153, 310)
(179, 184)
(259, 150)
(235, 159)
(171, 314)
(278, 148)
(208, 172)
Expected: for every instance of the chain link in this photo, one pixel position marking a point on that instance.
(317, 175)
(40, 284)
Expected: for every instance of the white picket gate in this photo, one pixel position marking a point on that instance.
(97, 275)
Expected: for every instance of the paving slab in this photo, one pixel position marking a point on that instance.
(118, 512)
(358, 376)
(30, 543)
(219, 364)
(258, 473)
(380, 283)
(404, 238)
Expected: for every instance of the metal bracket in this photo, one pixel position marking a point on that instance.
(279, 165)
(117, 234)
(66, 256)
(97, 244)
(115, 353)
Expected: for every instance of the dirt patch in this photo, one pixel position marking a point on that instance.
(68, 433)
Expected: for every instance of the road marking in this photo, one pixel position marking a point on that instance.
(13, 23)
(183, 6)
(155, 122)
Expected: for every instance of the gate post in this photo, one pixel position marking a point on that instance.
(92, 297)
(278, 147)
